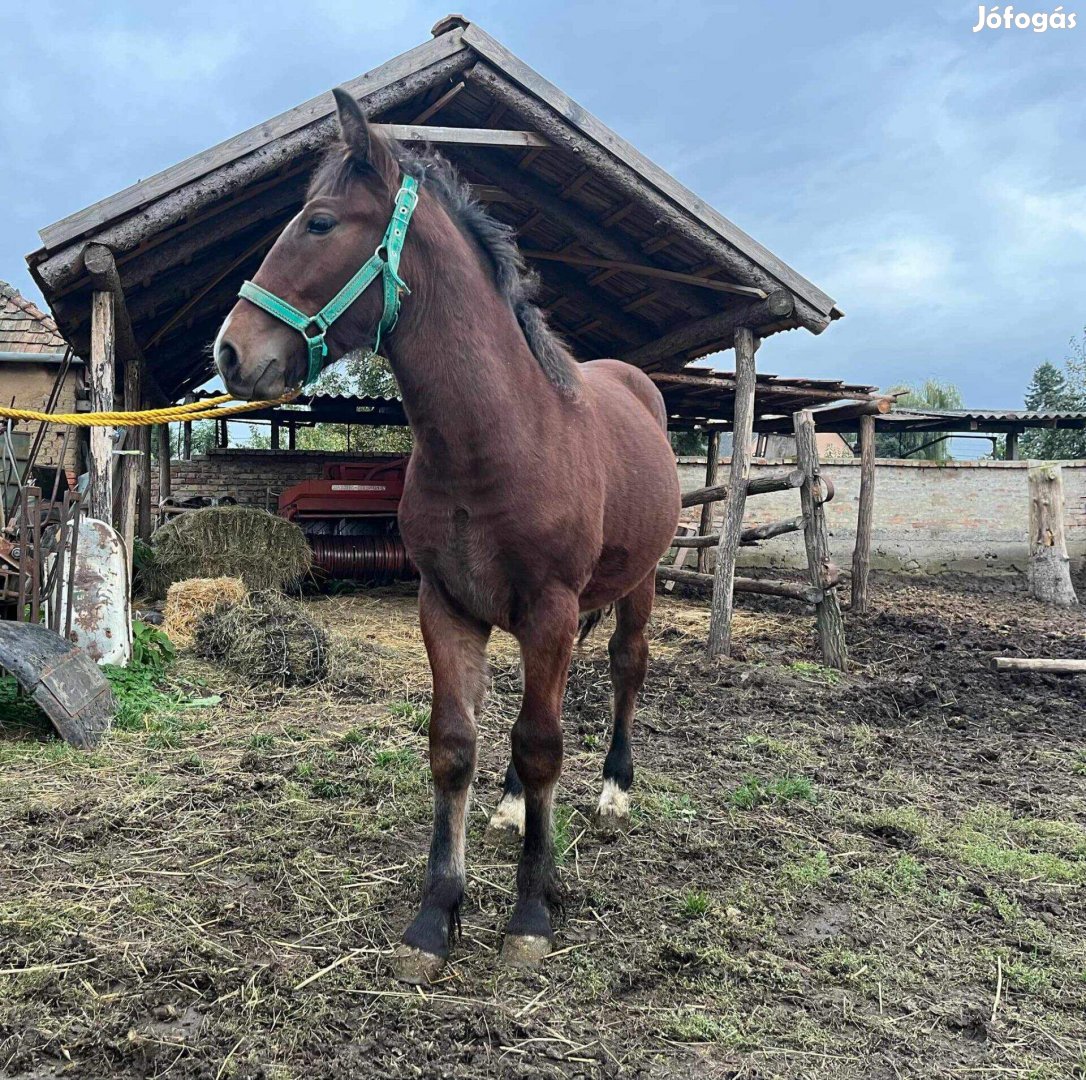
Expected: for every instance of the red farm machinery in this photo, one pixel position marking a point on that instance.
(349, 518)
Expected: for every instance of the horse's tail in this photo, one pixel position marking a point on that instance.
(590, 620)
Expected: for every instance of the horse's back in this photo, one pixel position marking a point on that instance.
(604, 373)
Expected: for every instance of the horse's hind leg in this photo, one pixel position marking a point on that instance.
(629, 653)
(546, 642)
(456, 647)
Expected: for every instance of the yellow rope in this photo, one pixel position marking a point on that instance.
(208, 409)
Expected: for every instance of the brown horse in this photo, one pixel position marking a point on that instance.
(539, 491)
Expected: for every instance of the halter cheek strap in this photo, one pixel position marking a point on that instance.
(384, 262)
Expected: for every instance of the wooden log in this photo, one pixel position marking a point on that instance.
(642, 269)
(1049, 568)
(749, 536)
(101, 377)
(758, 485)
(831, 626)
(712, 465)
(861, 555)
(165, 481)
(1011, 449)
(673, 348)
(636, 178)
(722, 383)
(793, 590)
(131, 463)
(720, 618)
(1022, 663)
(124, 220)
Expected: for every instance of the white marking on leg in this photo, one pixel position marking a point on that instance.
(509, 814)
(614, 802)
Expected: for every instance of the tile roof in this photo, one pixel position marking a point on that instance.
(24, 327)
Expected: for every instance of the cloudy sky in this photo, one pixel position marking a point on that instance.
(931, 179)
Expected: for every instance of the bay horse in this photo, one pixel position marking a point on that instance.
(539, 490)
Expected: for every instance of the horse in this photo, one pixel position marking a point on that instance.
(540, 491)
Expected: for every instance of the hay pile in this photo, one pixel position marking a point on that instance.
(267, 638)
(187, 602)
(265, 551)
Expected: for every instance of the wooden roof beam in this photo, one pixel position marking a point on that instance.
(593, 234)
(634, 185)
(462, 136)
(669, 351)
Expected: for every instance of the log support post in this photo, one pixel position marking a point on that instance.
(102, 354)
(712, 465)
(132, 461)
(275, 425)
(1011, 451)
(292, 435)
(165, 481)
(831, 626)
(861, 555)
(1049, 570)
(720, 620)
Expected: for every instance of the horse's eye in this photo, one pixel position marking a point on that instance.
(321, 224)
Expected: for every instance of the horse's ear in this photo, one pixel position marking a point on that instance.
(353, 126)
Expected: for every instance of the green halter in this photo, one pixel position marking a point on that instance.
(385, 261)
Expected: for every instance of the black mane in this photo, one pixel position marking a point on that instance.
(515, 282)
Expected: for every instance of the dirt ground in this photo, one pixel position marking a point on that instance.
(881, 874)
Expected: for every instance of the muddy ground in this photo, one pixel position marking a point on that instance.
(881, 874)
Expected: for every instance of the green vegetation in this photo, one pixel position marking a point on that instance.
(920, 445)
(152, 650)
(415, 716)
(808, 871)
(1054, 389)
(694, 903)
(816, 672)
(755, 792)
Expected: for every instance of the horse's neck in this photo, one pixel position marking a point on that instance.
(468, 378)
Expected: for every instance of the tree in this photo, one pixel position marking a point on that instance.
(920, 445)
(358, 374)
(1054, 390)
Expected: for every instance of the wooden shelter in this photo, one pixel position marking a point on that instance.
(631, 263)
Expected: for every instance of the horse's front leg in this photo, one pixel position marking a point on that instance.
(546, 643)
(456, 647)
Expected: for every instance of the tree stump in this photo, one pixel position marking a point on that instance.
(1049, 571)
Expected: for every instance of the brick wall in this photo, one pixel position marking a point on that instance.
(30, 385)
(968, 516)
(930, 517)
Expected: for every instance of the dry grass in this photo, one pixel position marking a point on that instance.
(265, 551)
(187, 602)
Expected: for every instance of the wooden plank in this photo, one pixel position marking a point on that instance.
(830, 622)
(643, 270)
(199, 165)
(592, 128)
(1023, 663)
(100, 375)
(712, 465)
(861, 555)
(720, 618)
(462, 136)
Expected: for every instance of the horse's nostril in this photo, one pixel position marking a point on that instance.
(226, 359)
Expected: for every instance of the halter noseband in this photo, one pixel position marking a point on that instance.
(385, 261)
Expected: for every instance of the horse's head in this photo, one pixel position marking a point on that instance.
(344, 218)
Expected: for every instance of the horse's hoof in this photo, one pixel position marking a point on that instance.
(507, 821)
(525, 950)
(415, 966)
(613, 811)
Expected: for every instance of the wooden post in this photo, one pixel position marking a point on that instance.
(831, 625)
(164, 480)
(1011, 451)
(1049, 571)
(144, 487)
(711, 467)
(131, 464)
(720, 620)
(292, 435)
(103, 349)
(275, 425)
(186, 433)
(861, 554)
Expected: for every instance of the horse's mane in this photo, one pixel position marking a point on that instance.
(515, 282)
